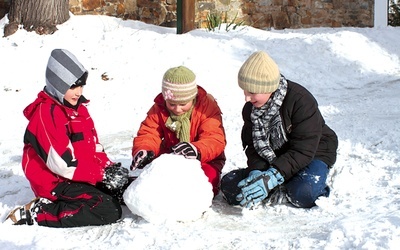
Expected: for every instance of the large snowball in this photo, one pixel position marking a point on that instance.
(171, 188)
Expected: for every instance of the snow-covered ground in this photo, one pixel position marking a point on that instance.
(353, 72)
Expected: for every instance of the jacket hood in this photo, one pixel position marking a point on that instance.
(44, 97)
(31, 108)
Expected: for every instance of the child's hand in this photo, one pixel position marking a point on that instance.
(115, 176)
(186, 149)
(257, 186)
(141, 159)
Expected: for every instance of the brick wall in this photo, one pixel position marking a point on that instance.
(264, 14)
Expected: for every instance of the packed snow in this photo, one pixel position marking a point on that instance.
(170, 189)
(354, 73)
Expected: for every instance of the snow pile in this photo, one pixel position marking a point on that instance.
(357, 88)
(170, 189)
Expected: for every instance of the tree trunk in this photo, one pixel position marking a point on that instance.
(40, 16)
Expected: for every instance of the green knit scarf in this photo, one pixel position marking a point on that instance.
(180, 124)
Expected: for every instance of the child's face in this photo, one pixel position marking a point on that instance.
(73, 94)
(179, 109)
(256, 99)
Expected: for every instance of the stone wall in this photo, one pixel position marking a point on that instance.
(264, 14)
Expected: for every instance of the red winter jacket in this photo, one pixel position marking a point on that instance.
(60, 143)
(207, 133)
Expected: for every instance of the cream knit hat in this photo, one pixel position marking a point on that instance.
(259, 74)
(179, 85)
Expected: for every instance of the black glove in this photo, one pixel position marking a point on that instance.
(141, 159)
(186, 149)
(115, 176)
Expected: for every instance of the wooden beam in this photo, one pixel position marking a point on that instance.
(185, 11)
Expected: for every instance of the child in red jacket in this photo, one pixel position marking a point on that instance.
(184, 120)
(63, 159)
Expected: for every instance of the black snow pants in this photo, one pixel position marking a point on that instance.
(79, 204)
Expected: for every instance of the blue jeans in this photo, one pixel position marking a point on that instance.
(307, 185)
(303, 188)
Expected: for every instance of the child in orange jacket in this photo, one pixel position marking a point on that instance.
(184, 120)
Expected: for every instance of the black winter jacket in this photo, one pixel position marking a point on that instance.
(308, 136)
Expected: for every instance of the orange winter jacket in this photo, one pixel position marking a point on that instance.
(207, 133)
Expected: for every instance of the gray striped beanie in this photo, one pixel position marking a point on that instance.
(259, 74)
(63, 70)
(179, 85)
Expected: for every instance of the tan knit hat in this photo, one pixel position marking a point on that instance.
(179, 85)
(259, 74)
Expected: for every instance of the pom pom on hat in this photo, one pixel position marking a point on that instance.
(179, 85)
(259, 74)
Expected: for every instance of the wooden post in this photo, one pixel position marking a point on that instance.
(185, 16)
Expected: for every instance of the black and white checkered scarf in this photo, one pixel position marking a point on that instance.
(268, 131)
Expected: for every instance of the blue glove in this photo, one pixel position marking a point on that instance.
(257, 185)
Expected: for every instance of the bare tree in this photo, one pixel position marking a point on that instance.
(40, 16)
